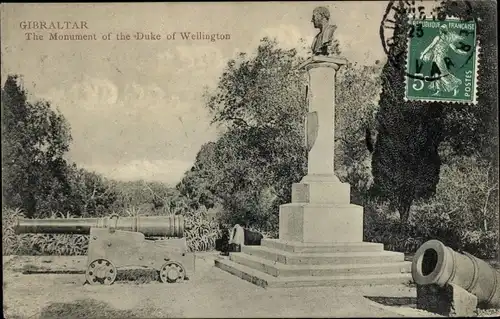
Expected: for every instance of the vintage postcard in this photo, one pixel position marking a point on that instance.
(250, 159)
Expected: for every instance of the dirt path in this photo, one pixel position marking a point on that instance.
(211, 293)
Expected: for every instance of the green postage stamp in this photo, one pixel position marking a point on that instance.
(442, 61)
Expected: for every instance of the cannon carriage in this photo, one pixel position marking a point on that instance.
(116, 242)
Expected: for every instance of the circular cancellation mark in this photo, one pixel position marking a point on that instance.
(464, 40)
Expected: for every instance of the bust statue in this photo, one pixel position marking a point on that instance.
(323, 41)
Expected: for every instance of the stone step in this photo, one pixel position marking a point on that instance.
(323, 258)
(298, 247)
(267, 281)
(279, 269)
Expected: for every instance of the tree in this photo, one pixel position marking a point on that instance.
(260, 105)
(90, 193)
(198, 183)
(356, 102)
(473, 129)
(36, 176)
(405, 162)
(34, 140)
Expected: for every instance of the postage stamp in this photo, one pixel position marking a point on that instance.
(442, 61)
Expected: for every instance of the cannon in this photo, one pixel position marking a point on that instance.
(116, 242)
(436, 264)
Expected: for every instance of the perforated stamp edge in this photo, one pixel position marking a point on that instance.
(447, 100)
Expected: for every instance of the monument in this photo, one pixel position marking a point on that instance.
(320, 232)
(323, 42)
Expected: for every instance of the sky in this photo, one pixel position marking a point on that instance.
(136, 108)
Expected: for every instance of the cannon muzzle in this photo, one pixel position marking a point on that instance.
(167, 226)
(435, 263)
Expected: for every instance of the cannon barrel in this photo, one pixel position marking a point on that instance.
(168, 226)
(435, 263)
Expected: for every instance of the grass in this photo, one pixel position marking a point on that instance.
(90, 308)
(135, 275)
(138, 276)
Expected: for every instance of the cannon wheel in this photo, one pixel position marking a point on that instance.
(101, 271)
(171, 272)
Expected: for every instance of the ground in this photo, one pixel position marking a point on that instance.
(211, 292)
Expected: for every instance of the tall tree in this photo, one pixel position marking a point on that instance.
(473, 129)
(405, 162)
(34, 140)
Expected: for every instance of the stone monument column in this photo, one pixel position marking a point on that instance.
(320, 133)
(320, 211)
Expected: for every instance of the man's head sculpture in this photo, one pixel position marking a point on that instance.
(320, 16)
(324, 39)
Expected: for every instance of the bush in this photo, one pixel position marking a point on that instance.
(202, 230)
(463, 214)
(9, 238)
(39, 244)
(200, 237)
(383, 228)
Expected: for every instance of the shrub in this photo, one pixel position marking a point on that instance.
(202, 231)
(463, 213)
(9, 237)
(39, 244)
(427, 221)
(383, 227)
(200, 237)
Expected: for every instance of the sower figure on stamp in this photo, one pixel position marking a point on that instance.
(323, 43)
(437, 52)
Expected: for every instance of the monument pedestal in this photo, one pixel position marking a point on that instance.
(321, 212)
(320, 232)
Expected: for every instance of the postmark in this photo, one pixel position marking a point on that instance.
(409, 26)
(443, 57)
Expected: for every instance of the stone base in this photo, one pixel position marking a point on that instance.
(321, 223)
(321, 189)
(450, 300)
(280, 263)
(320, 244)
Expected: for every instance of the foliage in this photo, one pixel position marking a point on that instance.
(91, 194)
(259, 91)
(9, 238)
(200, 237)
(202, 231)
(473, 129)
(38, 244)
(463, 214)
(356, 104)
(36, 176)
(415, 141)
(197, 186)
(248, 171)
(154, 197)
(34, 140)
